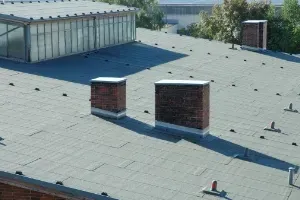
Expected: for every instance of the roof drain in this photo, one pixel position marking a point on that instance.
(272, 128)
(19, 173)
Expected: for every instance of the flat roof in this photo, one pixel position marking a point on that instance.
(51, 137)
(255, 21)
(49, 10)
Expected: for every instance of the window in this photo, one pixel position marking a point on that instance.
(129, 27)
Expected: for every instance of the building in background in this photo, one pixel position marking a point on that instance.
(186, 12)
(37, 31)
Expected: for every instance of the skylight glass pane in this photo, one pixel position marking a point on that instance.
(68, 37)
(91, 34)
(3, 39)
(124, 28)
(41, 41)
(120, 19)
(102, 33)
(34, 54)
(111, 31)
(116, 29)
(129, 27)
(80, 35)
(55, 40)
(106, 29)
(97, 23)
(74, 36)
(62, 42)
(85, 35)
(16, 44)
(48, 40)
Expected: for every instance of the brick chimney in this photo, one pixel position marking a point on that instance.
(254, 35)
(108, 97)
(182, 107)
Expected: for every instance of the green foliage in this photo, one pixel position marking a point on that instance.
(150, 16)
(225, 23)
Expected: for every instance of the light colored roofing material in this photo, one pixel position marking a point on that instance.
(51, 137)
(255, 21)
(62, 8)
(181, 82)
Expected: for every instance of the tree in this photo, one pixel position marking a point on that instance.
(150, 15)
(291, 11)
(234, 13)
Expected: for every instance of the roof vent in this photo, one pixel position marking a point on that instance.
(47, 1)
(67, 15)
(30, 1)
(2, 3)
(19, 173)
(233, 85)
(104, 11)
(166, 32)
(170, 72)
(140, 41)
(111, 11)
(232, 130)
(104, 194)
(191, 50)
(226, 56)
(75, 14)
(58, 16)
(50, 17)
(11, 84)
(117, 10)
(155, 43)
(41, 18)
(263, 63)
(37, 89)
(12, 3)
(281, 67)
(22, 2)
(65, 95)
(59, 183)
(98, 12)
(148, 68)
(294, 143)
(173, 47)
(208, 53)
(262, 137)
(83, 13)
(245, 60)
(11, 14)
(91, 12)
(146, 111)
(191, 77)
(31, 18)
(278, 94)
(290, 108)
(39, 1)
(272, 128)
(123, 9)
(212, 80)
(127, 64)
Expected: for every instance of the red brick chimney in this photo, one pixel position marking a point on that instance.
(108, 97)
(182, 107)
(254, 35)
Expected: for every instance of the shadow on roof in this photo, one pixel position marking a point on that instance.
(143, 129)
(228, 148)
(282, 56)
(1, 142)
(118, 61)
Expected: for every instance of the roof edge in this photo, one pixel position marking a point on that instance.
(48, 188)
